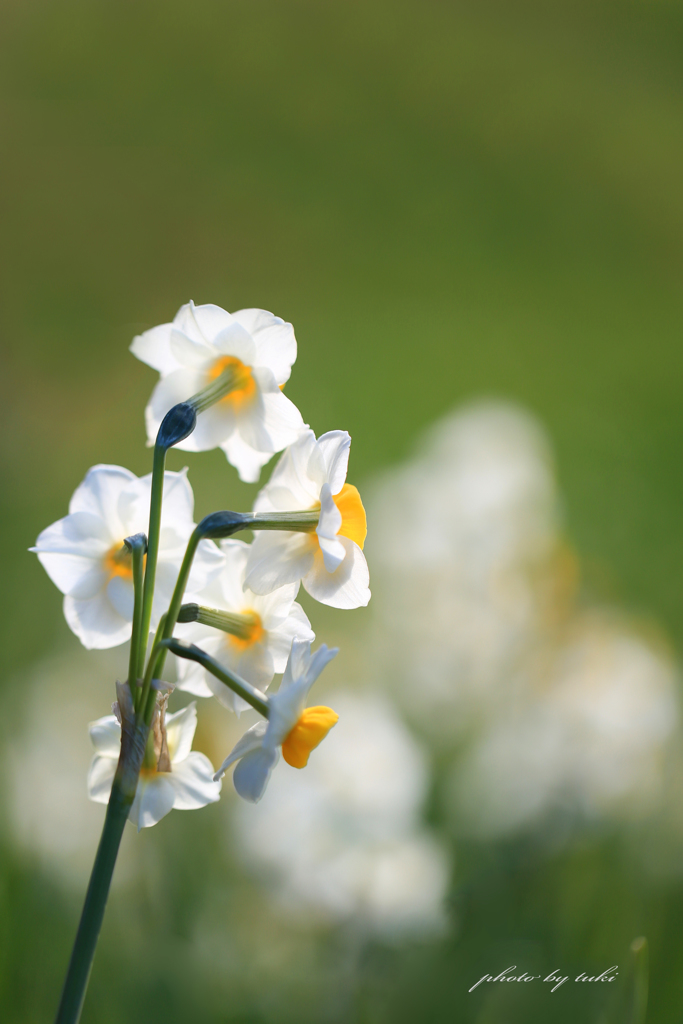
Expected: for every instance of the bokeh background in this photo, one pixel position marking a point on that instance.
(472, 213)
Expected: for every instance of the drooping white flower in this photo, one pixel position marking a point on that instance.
(84, 553)
(268, 624)
(181, 777)
(311, 474)
(254, 419)
(291, 726)
(347, 841)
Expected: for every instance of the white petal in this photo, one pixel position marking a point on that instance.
(347, 586)
(154, 799)
(100, 778)
(202, 323)
(235, 341)
(274, 340)
(327, 529)
(280, 639)
(335, 446)
(251, 775)
(281, 418)
(193, 783)
(189, 354)
(214, 427)
(154, 348)
(278, 558)
(291, 477)
(288, 703)
(95, 622)
(99, 494)
(105, 736)
(122, 596)
(247, 461)
(81, 577)
(251, 740)
(178, 502)
(180, 729)
(273, 608)
(84, 534)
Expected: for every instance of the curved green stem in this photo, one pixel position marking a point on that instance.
(152, 551)
(136, 545)
(133, 740)
(241, 687)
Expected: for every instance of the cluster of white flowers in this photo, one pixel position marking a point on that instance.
(546, 710)
(222, 376)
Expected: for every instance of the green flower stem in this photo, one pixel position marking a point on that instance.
(238, 625)
(147, 697)
(133, 740)
(241, 687)
(137, 546)
(152, 553)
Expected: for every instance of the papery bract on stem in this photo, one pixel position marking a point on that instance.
(180, 778)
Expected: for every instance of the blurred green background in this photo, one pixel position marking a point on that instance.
(447, 200)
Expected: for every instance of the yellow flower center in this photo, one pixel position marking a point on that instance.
(251, 631)
(244, 390)
(354, 521)
(309, 731)
(118, 561)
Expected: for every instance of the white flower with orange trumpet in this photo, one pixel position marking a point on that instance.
(248, 634)
(236, 364)
(291, 727)
(311, 474)
(85, 556)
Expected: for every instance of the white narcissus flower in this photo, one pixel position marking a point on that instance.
(185, 782)
(330, 562)
(251, 422)
(269, 623)
(84, 553)
(290, 727)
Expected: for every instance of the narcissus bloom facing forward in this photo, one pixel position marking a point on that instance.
(84, 553)
(263, 630)
(291, 726)
(177, 777)
(330, 562)
(250, 352)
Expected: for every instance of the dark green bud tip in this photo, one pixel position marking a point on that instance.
(188, 613)
(222, 524)
(177, 424)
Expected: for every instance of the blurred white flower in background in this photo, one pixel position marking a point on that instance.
(344, 841)
(46, 764)
(543, 707)
(466, 526)
(592, 743)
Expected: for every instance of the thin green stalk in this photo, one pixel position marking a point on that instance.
(147, 694)
(137, 547)
(152, 552)
(133, 739)
(241, 687)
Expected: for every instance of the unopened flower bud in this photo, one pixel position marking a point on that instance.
(177, 424)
